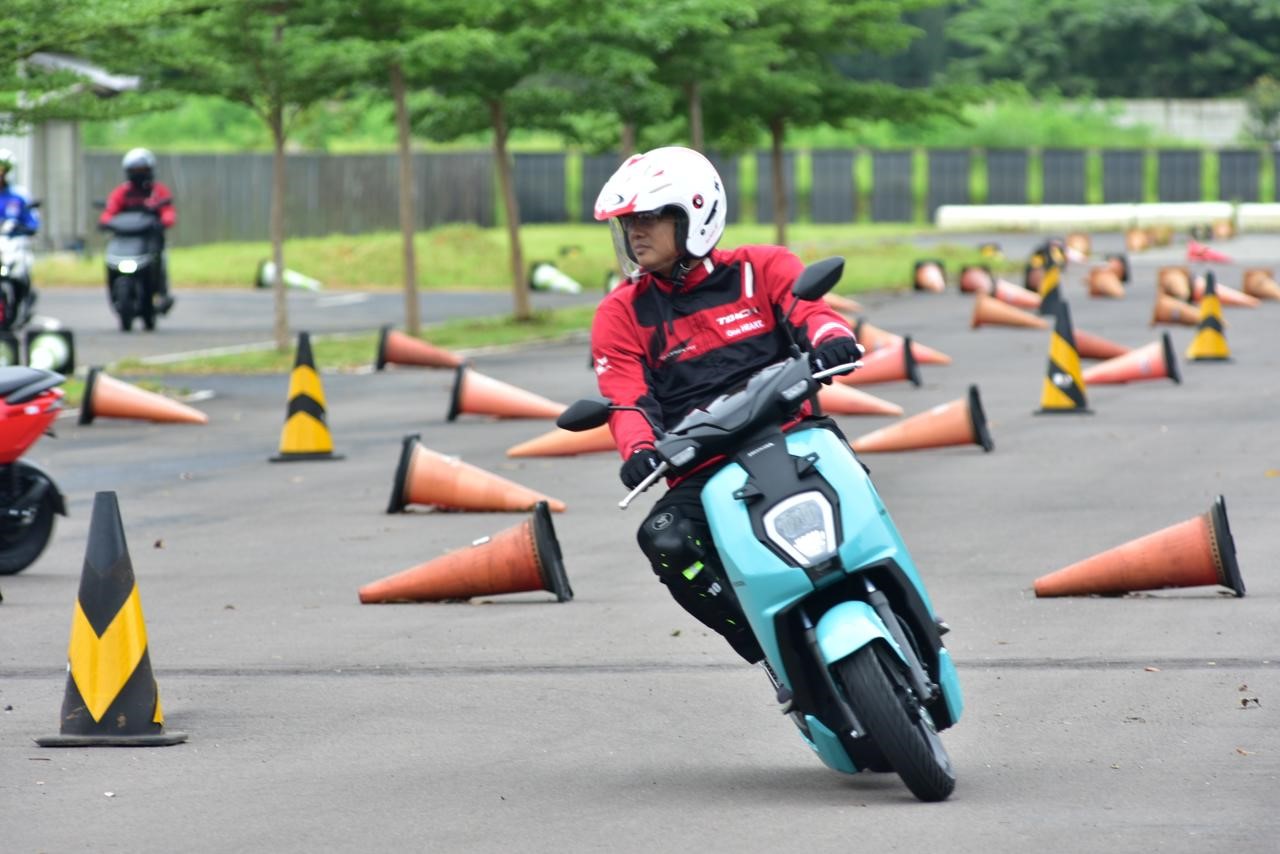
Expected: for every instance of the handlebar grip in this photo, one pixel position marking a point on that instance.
(643, 485)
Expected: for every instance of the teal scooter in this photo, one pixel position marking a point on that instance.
(820, 570)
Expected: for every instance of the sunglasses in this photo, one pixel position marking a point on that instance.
(644, 219)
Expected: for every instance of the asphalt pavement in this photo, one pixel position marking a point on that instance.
(614, 721)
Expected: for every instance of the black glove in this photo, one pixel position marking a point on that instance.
(836, 351)
(638, 466)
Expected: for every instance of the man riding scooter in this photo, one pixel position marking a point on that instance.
(18, 221)
(142, 192)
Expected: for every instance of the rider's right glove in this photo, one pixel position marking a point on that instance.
(836, 351)
(638, 466)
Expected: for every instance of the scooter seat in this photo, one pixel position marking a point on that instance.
(18, 383)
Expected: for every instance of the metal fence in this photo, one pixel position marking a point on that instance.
(224, 197)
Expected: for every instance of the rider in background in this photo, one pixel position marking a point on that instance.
(142, 192)
(692, 323)
(16, 208)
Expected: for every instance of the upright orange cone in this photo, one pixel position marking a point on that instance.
(960, 422)
(1153, 362)
(566, 443)
(1195, 553)
(522, 558)
(890, 363)
(929, 276)
(108, 397)
(839, 303)
(837, 399)
(989, 311)
(1091, 346)
(1227, 295)
(1015, 296)
(1210, 343)
(396, 348)
(874, 338)
(475, 393)
(1103, 282)
(427, 477)
(1173, 311)
(111, 698)
(1063, 389)
(305, 435)
(1261, 284)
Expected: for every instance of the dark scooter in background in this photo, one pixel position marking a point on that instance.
(134, 257)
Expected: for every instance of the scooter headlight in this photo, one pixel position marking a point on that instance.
(804, 527)
(128, 265)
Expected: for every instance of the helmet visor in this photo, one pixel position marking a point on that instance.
(622, 249)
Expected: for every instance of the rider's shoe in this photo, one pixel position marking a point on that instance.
(783, 693)
(164, 303)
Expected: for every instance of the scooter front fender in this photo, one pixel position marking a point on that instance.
(847, 628)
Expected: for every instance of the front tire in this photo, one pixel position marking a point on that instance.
(898, 724)
(124, 297)
(21, 544)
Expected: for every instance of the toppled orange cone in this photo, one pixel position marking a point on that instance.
(838, 399)
(523, 558)
(566, 443)
(1136, 240)
(427, 477)
(975, 277)
(396, 348)
(1261, 284)
(874, 338)
(890, 363)
(1197, 251)
(1195, 553)
(960, 422)
(839, 303)
(477, 394)
(1174, 281)
(108, 397)
(1104, 282)
(929, 276)
(989, 311)
(1173, 311)
(1227, 295)
(1010, 293)
(1153, 362)
(1091, 346)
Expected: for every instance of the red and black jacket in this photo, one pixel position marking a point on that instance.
(670, 348)
(127, 197)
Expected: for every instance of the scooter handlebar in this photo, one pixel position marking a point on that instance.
(644, 484)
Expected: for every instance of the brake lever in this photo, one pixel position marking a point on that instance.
(643, 485)
(847, 367)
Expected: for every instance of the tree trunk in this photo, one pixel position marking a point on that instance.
(628, 142)
(281, 328)
(693, 92)
(519, 287)
(776, 130)
(412, 318)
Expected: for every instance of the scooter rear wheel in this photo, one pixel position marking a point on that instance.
(21, 544)
(898, 724)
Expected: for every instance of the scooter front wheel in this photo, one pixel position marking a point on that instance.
(22, 541)
(898, 724)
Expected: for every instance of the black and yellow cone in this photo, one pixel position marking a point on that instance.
(1050, 291)
(305, 435)
(1210, 343)
(111, 699)
(1064, 381)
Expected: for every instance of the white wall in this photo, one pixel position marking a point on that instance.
(1217, 122)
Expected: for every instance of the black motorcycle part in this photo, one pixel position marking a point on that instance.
(25, 530)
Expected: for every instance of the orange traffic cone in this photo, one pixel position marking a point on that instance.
(522, 558)
(475, 393)
(1261, 284)
(1194, 553)
(1227, 295)
(1063, 390)
(1173, 311)
(1119, 264)
(890, 363)
(1091, 346)
(844, 304)
(111, 698)
(396, 348)
(929, 276)
(974, 278)
(566, 443)
(1152, 362)
(426, 477)
(874, 338)
(1197, 251)
(989, 311)
(1210, 343)
(837, 399)
(1078, 246)
(1013, 295)
(1174, 281)
(1104, 282)
(960, 422)
(108, 397)
(1136, 240)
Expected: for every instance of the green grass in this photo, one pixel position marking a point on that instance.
(463, 257)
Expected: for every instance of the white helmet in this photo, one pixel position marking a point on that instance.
(7, 160)
(671, 177)
(138, 158)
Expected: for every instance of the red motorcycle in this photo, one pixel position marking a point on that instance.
(29, 401)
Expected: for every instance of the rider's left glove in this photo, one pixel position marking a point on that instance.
(835, 351)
